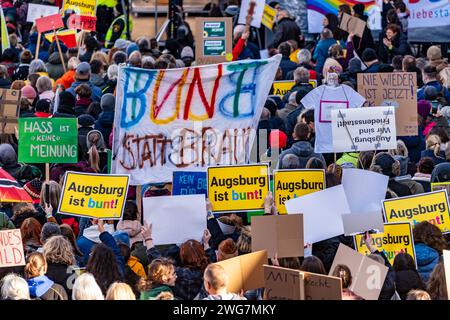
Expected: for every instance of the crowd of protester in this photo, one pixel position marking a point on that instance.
(90, 259)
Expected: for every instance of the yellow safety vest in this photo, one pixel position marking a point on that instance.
(107, 3)
(109, 34)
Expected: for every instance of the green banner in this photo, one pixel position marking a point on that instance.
(214, 47)
(48, 140)
(214, 29)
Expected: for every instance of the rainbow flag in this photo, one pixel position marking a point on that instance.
(318, 8)
(4, 32)
(332, 6)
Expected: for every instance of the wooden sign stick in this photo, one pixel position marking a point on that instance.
(36, 56)
(60, 51)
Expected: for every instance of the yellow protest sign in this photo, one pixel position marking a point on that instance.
(94, 195)
(432, 207)
(280, 88)
(238, 188)
(396, 238)
(435, 186)
(81, 7)
(268, 18)
(290, 184)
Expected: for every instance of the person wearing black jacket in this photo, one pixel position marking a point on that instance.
(286, 29)
(366, 41)
(395, 43)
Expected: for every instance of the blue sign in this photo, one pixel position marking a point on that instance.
(189, 182)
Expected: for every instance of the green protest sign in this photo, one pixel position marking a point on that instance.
(213, 47)
(48, 140)
(214, 29)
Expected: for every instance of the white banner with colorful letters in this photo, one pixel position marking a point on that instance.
(189, 118)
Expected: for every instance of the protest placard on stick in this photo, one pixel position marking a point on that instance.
(9, 110)
(11, 248)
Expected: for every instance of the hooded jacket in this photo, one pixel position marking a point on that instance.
(8, 160)
(304, 151)
(427, 258)
(54, 66)
(96, 91)
(104, 123)
(21, 72)
(43, 288)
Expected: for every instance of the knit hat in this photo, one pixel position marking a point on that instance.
(66, 102)
(277, 139)
(434, 53)
(43, 105)
(354, 65)
(131, 48)
(385, 161)
(187, 52)
(423, 108)
(29, 92)
(83, 70)
(301, 93)
(271, 106)
(33, 188)
(403, 164)
(50, 229)
(8, 155)
(108, 102)
(121, 44)
(86, 120)
(369, 55)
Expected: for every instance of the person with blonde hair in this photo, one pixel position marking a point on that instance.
(120, 291)
(418, 295)
(69, 77)
(14, 287)
(44, 87)
(39, 284)
(433, 149)
(244, 242)
(215, 281)
(86, 288)
(58, 252)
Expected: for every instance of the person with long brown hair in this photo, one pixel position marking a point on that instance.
(436, 285)
(161, 278)
(429, 243)
(31, 235)
(67, 232)
(39, 284)
(194, 258)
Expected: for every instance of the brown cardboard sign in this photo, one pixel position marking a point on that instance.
(367, 275)
(321, 287)
(397, 89)
(352, 25)
(283, 283)
(9, 110)
(278, 234)
(213, 40)
(245, 272)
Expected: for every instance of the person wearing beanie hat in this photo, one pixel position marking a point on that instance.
(82, 76)
(187, 56)
(370, 59)
(8, 160)
(121, 44)
(33, 188)
(29, 93)
(423, 108)
(21, 72)
(301, 148)
(105, 120)
(385, 164)
(132, 47)
(434, 56)
(43, 107)
(85, 125)
(66, 106)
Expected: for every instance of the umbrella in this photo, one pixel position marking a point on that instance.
(11, 190)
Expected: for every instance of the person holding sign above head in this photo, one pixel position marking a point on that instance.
(194, 258)
(323, 99)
